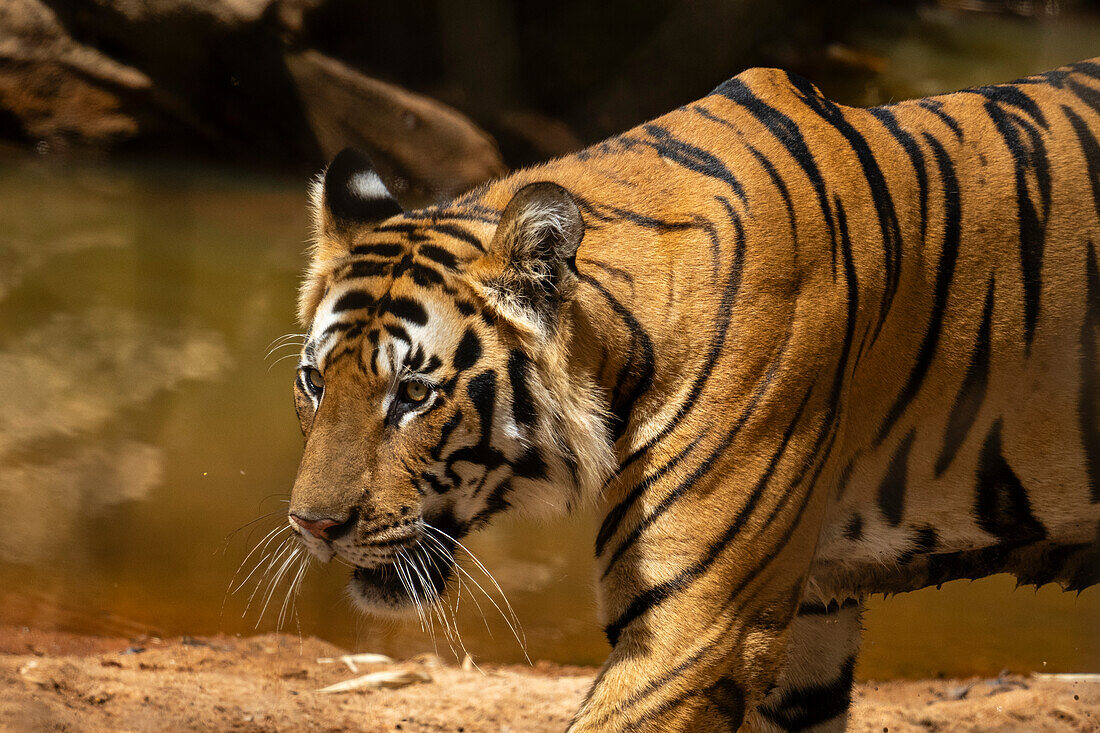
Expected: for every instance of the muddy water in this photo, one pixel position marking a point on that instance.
(142, 429)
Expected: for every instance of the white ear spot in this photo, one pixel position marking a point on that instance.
(367, 185)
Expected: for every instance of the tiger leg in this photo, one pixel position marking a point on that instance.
(814, 689)
(697, 651)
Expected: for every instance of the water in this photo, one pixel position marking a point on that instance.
(142, 428)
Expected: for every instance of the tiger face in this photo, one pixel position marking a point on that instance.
(430, 388)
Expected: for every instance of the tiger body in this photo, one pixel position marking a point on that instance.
(795, 353)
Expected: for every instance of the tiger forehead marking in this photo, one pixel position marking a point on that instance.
(387, 294)
(795, 353)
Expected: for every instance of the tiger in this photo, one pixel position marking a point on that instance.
(792, 352)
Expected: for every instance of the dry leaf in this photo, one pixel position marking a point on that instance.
(391, 679)
(351, 660)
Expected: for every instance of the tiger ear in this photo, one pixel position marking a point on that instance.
(530, 269)
(349, 194)
(346, 196)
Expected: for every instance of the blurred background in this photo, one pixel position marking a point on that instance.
(153, 165)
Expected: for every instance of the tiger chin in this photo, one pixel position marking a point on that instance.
(793, 353)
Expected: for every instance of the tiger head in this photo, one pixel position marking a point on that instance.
(435, 387)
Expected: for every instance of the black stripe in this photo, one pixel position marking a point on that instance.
(434, 362)
(439, 255)
(1085, 93)
(1091, 150)
(436, 451)
(411, 230)
(658, 594)
(482, 391)
(422, 275)
(820, 455)
(1088, 401)
(616, 272)
(523, 404)
(692, 157)
(398, 332)
(453, 230)
(935, 106)
(720, 330)
(353, 300)
(388, 250)
(799, 708)
(1013, 96)
(924, 542)
(1001, 505)
(945, 272)
(405, 309)
(972, 392)
(891, 491)
(787, 133)
(615, 516)
(780, 186)
(468, 351)
(886, 116)
(530, 464)
(853, 530)
(645, 221)
(876, 182)
(369, 268)
(638, 367)
(1024, 142)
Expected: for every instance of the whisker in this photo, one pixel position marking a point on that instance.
(510, 618)
(274, 583)
(427, 556)
(406, 581)
(281, 359)
(434, 599)
(289, 345)
(447, 557)
(425, 617)
(246, 525)
(284, 548)
(292, 589)
(288, 336)
(261, 545)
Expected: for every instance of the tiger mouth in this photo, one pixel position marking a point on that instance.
(409, 579)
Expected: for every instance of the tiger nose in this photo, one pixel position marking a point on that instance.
(321, 528)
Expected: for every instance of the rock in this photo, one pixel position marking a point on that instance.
(58, 91)
(420, 146)
(230, 80)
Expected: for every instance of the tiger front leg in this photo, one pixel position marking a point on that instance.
(698, 605)
(814, 690)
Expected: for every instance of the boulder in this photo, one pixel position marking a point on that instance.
(227, 80)
(425, 150)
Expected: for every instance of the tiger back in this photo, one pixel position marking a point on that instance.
(793, 353)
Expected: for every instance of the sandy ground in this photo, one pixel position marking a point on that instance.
(62, 682)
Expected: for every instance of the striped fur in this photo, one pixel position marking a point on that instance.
(803, 353)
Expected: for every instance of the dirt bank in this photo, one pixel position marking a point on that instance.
(54, 681)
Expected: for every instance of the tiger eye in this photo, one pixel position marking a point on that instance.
(416, 391)
(315, 379)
